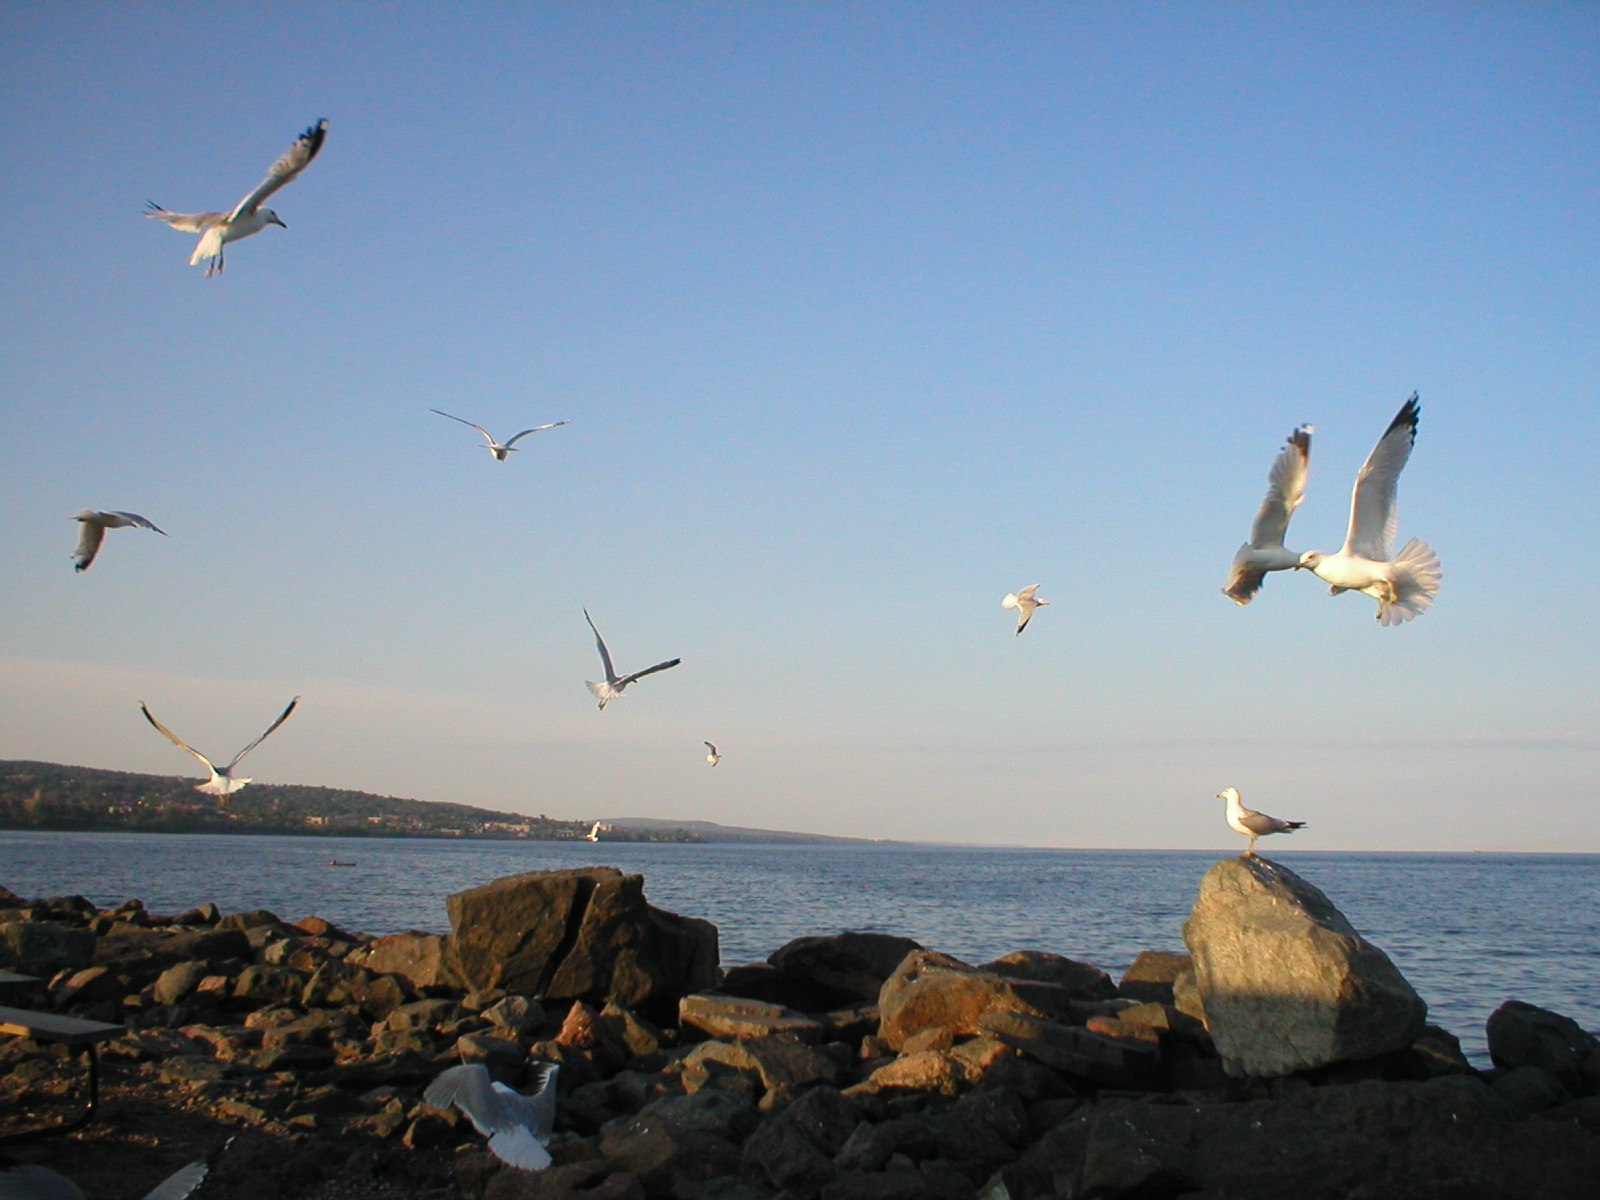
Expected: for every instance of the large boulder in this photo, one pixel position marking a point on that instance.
(932, 990)
(419, 956)
(842, 968)
(1286, 982)
(1524, 1035)
(584, 934)
(42, 948)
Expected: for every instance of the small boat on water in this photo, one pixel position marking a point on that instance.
(334, 862)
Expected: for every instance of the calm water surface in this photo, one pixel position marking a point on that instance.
(1467, 930)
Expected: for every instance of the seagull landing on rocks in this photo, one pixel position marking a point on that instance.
(712, 756)
(517, 1126)
(1403, 584)
(27, 1181)
(93, 532)
(1024, 602)
(1251, 823)
(1286, 485)
(615, 684)
(500, 449)
(218, 229)
(222, 781)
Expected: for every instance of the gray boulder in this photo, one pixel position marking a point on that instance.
(1524, 1035)
(41, 948)
(842, 968)
(1286, 982)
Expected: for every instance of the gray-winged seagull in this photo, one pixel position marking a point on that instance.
(29, 1181)
(712, 756)
(218, 229)
(1286, 486)
(499, 449)
(1251, 823)
(94, 529)
(222, 781)
(516, 1125)
(1403, 584)
(1024, 602)
(615, 684)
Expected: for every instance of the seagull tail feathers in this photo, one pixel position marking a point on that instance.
(1416, 582)
(221, 785)
(1244, 581)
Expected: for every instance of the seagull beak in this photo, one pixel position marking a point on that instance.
(277, 220)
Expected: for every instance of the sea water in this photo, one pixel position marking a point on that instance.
(1469, 931)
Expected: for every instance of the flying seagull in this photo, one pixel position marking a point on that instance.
(614, 685)
(19, 1181)
(516, 1125)
(1024, 602)
(1251, 823)
(1286, 486)
(218, 229)
(222, 781)
(1403, 584)
(500, 449)
(712, 756)
(94, 529)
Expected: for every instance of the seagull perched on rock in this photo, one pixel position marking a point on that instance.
(28, 1181)
(217, 229)
(222, 781)
(712, 756)
(1286, 485)
(1403, 584)
(614, 684)
(517, 1126)
(1251, 823)
(1024, 602)
(94, 529)
(500, 449)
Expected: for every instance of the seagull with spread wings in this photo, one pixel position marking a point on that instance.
(499, 449)
(94, 529)
(614, 684)
(1251, 823)
(1265, 551)
(222, 781)
(517, 1126)
(712, 755)
(29, 1181)
(217, 229)
(1024, 602)
(1403, 584)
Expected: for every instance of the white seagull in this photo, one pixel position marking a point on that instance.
(517, 1126)
(94, 529)
(218, 229)
(614, 684)
(1403, 584)
(222, 781)
(1251, 823)
(1024, 602)
(28, 1181)
(500, 449)
(1286, 486)
(712, 756)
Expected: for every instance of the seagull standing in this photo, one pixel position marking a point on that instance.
(517, 1126)
(712, 756)
(500, 449)
(218, 229)
(1286, 485)
(94, 529)
(1251, 823)
(1403, 584)
(614, 684)
(222, 781)
(1024, 602)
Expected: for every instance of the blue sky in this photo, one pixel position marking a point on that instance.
(862, 315)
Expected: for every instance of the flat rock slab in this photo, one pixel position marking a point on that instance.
(1286, 982)
(736, 1017)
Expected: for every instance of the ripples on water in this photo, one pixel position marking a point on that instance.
(1468, 930)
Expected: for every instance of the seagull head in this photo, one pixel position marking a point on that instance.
(269, 217)
(84, 514)
(1309, 560)
(1228, 794)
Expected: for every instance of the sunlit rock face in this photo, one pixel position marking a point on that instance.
(1287, 984)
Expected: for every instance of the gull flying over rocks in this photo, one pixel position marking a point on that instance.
(712, 756)
(28, 1181)
(218, 229)
(1024, 602)
(516, 1125)
(614, 684)
(222, 781)
(1251, 823)
(500, 449)
(1403, 584)
(94, 529)
(1286, 485)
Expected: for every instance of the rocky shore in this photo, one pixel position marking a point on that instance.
(1280, 1055)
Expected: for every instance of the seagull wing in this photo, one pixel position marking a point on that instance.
(479, 428)
(290, 163)
(513, 441)
(1286, 486)
(176, 740)
(1373, 515)
(468, 1088)
(90, 535)
(284, 716)
(32, 1182)
(605, 655)
(182, 1182)
(711, 748)
(184, 222)
(141, 522)
(627, 679)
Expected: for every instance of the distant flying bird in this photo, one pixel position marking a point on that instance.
(1403, 584)
(1286, 486)
(500, 449)
(1024, 602)
(222, 781)
(1251, 823)
(218, 229)
(94, 529)
(517, 1126)
(712, 756)
(19, 1181)
(614, 684)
